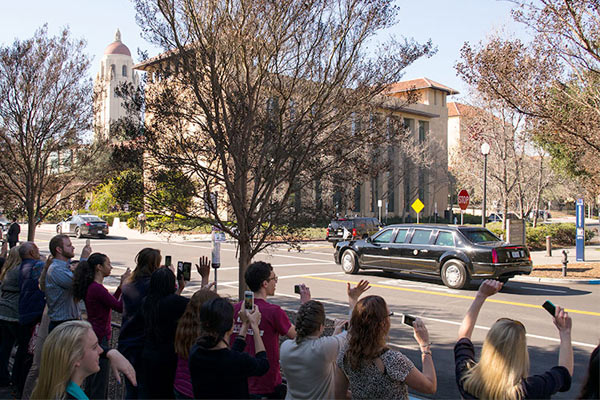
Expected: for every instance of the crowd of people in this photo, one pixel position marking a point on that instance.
(57, 312)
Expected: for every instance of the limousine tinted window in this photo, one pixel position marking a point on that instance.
(421, 236)
(384, 237)
(401, 236)
(445, 239)
(480, 236)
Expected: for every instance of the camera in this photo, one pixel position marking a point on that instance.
(551, 308)
(408, 319)
(248, 300)
(297, 289)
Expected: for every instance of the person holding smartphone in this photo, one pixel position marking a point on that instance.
(308, 362)
(503, 370)
(217, 371)
(369, 368)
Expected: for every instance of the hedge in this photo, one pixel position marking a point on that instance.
(562, 234)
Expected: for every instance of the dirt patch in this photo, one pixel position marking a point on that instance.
(575, 270)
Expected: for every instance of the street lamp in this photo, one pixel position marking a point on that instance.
(485, 150)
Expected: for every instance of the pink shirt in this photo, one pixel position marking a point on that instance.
(274, 322)
(183, 379)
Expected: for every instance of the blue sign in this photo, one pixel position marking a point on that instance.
(579, 231)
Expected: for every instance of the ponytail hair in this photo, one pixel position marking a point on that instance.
(216, 319)
(310, 318)
(84, 275)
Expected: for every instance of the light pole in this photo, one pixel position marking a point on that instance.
(485, 150)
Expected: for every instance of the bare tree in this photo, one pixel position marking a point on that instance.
(45, 110)
(554, 79)
(255, 100)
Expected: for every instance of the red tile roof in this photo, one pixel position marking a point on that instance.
(421, 83)
(458, 109)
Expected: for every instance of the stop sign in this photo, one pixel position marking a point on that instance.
(463, 199)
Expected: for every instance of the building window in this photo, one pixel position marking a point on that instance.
(318, 194)
(391, 184)
(409, 126)
(124, 71)
(435, 97)
(423, 130)
(112, 71)
(374, 194)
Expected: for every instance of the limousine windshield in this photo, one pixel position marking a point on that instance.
(480, 236)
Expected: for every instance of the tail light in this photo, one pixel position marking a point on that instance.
(529, 256)
(494, 256)
(87, 224)
(327, 232)
(354, 232)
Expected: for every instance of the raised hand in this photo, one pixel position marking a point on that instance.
(489, 287)
(420, 333)
(562, 321)
(304, 293)
(355, 292)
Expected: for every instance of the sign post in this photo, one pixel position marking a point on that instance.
(580, 231)
(217, 238)
(463, 202)
(418, 205)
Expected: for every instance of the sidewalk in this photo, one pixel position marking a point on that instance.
(592, 254)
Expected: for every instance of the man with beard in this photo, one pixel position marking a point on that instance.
(59, 281)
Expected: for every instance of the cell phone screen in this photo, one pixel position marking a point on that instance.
(408, 319)
(297, 289)
(179, 270)
(187, 271)
(167, 261)
(248, 300)
(551, 308)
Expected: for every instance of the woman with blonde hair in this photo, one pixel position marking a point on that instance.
(70, 354)
(9, 310)
(370, 368)
(502, 372)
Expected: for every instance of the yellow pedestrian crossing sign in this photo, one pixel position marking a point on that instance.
(418, 206)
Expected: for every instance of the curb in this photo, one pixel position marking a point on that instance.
(555, 280)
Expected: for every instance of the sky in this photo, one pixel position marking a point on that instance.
(447, 23)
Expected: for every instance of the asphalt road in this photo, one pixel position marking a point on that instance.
(440, 307)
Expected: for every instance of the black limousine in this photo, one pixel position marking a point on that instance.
(456, 253)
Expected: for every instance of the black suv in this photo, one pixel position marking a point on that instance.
(454, 253)
(351, 228)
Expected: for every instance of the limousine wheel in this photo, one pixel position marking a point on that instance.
(349, 262)
(454, 274)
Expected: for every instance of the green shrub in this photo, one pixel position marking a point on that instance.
(56, 216)
(132, 223)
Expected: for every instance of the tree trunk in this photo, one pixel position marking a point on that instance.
(243, 262)
(31, 224)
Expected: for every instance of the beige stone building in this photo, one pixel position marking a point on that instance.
(116, 68)
(405, 181)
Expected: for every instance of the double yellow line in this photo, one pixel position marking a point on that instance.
(458, 296)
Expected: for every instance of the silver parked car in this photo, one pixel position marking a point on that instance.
(83, 225)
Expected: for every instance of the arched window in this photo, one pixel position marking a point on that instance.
(124, 71)
(113, 72)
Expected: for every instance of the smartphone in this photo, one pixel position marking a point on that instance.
(167, 261)
(187, 271)
(249, 300)
(408, 319)
(551, 308)
(346, 325)
(179, 270)
(297, 289)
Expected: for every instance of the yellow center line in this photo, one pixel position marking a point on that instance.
(458, 296)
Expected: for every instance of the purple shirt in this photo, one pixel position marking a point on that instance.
(99, 303)
(183, 379)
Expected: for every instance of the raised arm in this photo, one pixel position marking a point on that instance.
(426, 381)
(565, 351)
(488, 288)
(355, 292)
